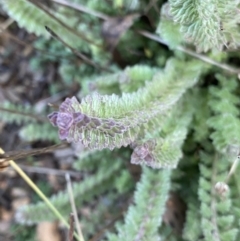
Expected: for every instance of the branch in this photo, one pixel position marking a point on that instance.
(191, 53)
(82, 8)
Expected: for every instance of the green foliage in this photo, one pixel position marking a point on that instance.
(129, 80)
(169, 30)
(150, 196)
(217, 217)
(35, 126)
(111, 6)
(201, 114)
(89, 161)
(93, 222)
(12, 113)
(235, 192)
(21, 232)
(54, 52)
(225, 121)
(35, 132)
(191, 230)
(208, 24)
(114, 121)
(35, 19)
(83, 191)
(164, 148)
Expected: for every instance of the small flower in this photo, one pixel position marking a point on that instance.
(222, 188)
(65, 118)
(142, 154)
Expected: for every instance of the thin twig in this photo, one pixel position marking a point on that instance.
(192, 53)
(82, 8)
(71, 197)
(77, 53)
(38, 118)
(39, 193)
(71, 229)
(18, 41)
(232, 169)
(43, 8)
(49, 171)
(26, 153)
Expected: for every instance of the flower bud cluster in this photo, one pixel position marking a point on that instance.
(72, 123)
(143, 154)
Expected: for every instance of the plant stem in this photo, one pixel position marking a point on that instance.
(40, 193)
(191, 53)
(73, 205)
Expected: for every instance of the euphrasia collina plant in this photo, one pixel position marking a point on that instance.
(109, 121)
(167, 102)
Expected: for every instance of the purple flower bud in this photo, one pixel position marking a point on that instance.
(64, 120)
(66, 106)
(141, 151)
(53, 118)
